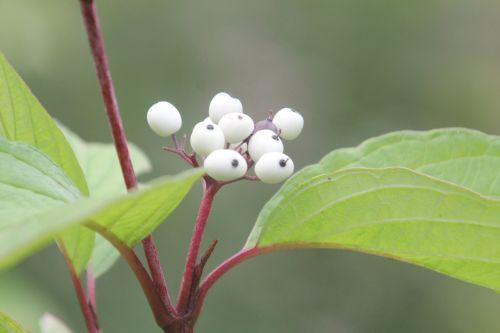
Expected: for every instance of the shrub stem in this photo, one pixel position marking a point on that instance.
(85, 306)
(210, 189)
(96, 43)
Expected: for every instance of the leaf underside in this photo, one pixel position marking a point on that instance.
(30, 179)
(419, 197)
(104, 177)
(23, 119)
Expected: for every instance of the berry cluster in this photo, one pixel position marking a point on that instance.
(229, 140)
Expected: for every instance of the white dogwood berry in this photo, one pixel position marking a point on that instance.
(164, 119)
(222, 104)
(289, 123)
(225, 165)
(273, 168)
(265, 141)
(236, 126)
(206, 137)
(208, 120)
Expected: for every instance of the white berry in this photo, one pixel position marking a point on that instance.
(206, 138)
(225, 165)
(208, 120)
(289, 122)
(236, 126)
(265, 141)
(164, 119)
(273, 168)
(222, 104)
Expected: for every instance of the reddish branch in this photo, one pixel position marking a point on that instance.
(152, 296)
(217, 273)
(211, 188)
(192, 294)
(85, 306)
(112, 111)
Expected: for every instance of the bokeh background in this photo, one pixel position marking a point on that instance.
(354, 68)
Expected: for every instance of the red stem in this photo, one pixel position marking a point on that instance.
(157, 306)
(157, 273)
(88, 314)
(96, 43)
(218, 272)
(210, 190)
(91, 288)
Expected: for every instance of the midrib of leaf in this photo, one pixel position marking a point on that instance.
(36, 167)
(361, 156)
(32, 128)
(290, 228)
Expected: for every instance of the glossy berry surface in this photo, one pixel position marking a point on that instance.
(164, 119)
(225, 165)
(265, 141)
(206, 137)
(236, 126)
(289, 123)
(273, 168)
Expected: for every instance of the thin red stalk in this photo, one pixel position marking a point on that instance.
(156, 304)
(96, 43)
(194, 246)
(91, 288)
(157, 273)
(218, 272)
(88, 314)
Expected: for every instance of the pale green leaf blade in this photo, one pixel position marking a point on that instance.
(392, 212)
(128, 218)
(104, 178)
(462, 156)
(23, 118)
(100, 164)
(7, 325)
(30, 182)
(51, 324)
(103, 257)
(137, 214)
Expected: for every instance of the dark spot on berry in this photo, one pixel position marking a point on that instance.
(283, 163)
(275, 137)
(240, 117)
(235, 163)
(210, 127)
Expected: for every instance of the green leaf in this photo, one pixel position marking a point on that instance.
(128, 217)
(7, 325)
(51, 324)
(392, 212)
(464, 157)
(104, 178)
(100, 164)
(30, 182)
(427, 198)
(23, 118)
(103, 257)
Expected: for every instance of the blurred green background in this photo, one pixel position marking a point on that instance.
(354, 68)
